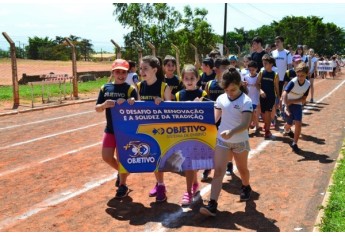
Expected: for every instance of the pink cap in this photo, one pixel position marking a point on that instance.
(120, 64)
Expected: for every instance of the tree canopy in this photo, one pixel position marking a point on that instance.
(162, 25)
(58, 49)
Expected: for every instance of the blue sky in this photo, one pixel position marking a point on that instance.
(94, 19)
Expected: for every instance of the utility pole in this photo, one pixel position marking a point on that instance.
(225, 17)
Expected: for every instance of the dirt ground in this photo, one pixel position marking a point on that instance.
(37, 67)
(52, 177)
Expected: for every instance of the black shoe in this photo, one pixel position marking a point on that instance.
(289, 133)
(229, 168)
(295, 148)
(205, 175)
(210, 209)
(122, 191)
(117, 182)
(245, 193)
(311, 100)
(278, 113)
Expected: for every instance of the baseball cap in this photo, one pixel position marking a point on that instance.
(296, 57)
(120, 64)
(232, 58)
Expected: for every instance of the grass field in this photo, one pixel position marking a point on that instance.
(25, 91)
(334, 217)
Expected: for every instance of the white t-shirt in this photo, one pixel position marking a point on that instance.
(132, 78)
(253, 91)
(312, 64)
(282, 58)
(296, 90)
(232, 115)
(334, 63)
(244, 72)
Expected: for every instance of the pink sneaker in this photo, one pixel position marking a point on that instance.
(153, 191)
(186, 199)
(161, 196)
(195, 188)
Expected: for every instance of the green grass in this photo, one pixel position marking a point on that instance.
(25, 91)
(334, 217)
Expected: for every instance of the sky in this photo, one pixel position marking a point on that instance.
(94, 20)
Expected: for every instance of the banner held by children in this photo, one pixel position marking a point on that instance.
(171, 136)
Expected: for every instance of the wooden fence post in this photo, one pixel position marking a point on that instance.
(74, 68)
(153, 48)
(118, 49)
(14, 71)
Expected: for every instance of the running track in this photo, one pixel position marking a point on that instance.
(52, 177)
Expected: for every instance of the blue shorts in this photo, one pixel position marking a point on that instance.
(254, 106)
(295, 114)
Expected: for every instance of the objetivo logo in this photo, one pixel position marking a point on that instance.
(138, 149)
(158, 131)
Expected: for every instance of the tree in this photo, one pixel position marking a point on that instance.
(85, 48)
(34, 48)
(324, 38)
(57, 49)
(163, 25)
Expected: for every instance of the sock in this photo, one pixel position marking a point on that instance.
(160, 184)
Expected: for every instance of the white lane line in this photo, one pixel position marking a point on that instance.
(54, 200)
(46, 120)
(23, 167)
(328, 94)
(170, 218)
(174, 216)
(51, 135)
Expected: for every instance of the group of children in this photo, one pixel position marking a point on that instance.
(237, 94)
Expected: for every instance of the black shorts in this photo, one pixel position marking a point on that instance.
(267, 103)
(281, 85)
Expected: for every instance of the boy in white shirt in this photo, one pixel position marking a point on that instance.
(294, 95)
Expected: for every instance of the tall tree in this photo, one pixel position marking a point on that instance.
(163, 25)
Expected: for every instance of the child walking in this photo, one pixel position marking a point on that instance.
(235, 109)
(294, 95)
(152, 88)
(190, 93)
(214, 90)
(268, 82)
(207, 72)
(111, 94)
(174, 82)
(254, 93)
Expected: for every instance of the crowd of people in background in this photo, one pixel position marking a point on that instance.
(270, 84)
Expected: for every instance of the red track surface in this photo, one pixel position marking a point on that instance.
(52, 177)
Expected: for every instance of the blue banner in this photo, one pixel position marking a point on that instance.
(171, 136)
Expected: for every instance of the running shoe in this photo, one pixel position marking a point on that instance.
(210, 209)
